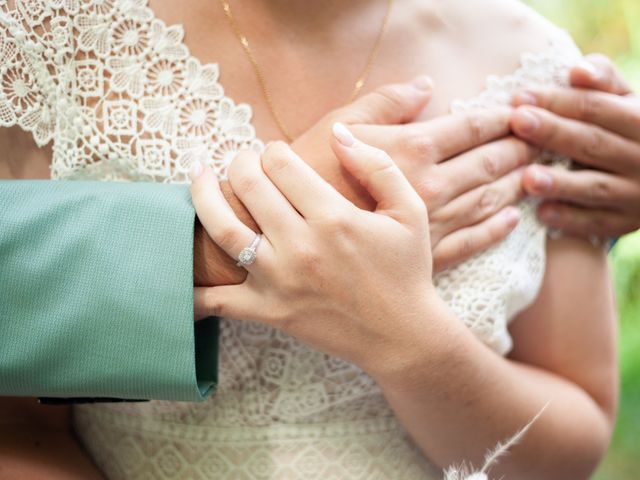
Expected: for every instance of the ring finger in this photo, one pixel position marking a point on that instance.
(220, 221)
(270, 209)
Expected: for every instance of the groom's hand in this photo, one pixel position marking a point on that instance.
(597, 123)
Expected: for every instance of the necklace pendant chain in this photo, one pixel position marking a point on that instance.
(359, 85)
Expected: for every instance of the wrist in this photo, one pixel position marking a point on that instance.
(409, 358)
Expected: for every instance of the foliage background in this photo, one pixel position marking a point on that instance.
(613, 27)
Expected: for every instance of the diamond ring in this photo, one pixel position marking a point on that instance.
(248, 254)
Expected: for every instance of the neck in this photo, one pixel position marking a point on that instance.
(306, 15)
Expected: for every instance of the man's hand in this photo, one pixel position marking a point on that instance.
(467, 169)
(597, 123)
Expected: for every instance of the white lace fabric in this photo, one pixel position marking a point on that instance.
(119, 96)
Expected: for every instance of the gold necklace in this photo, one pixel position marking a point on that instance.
(362, 79)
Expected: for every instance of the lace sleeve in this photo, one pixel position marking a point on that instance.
(28, 73)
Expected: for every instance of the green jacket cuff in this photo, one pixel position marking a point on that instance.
(96, 292)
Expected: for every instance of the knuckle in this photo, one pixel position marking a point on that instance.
(390, 94)
(215, 306)
(415, 209)
(387, 97)
(337, 222)
(489, 199)
(276, 157)
(379, 163)
(226, 237)
(467, 246)
(594, 144)
(588, 105)
(599, 191)
(418, 209)
(489, 165)
(421, 146)
(305, 256)
(430, 190)
(240, 162)
(244, 184)
(475, 127)
(597, 222)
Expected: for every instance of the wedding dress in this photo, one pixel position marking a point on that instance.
(119, 97)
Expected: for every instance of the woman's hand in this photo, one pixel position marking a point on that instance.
(465, 167)
(328, 273)
(598, 125)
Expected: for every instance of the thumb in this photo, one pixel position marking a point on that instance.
(390, 104)
(379, 175)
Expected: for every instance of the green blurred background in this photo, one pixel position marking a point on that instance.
(613, 27)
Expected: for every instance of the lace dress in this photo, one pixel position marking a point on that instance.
(118, 95)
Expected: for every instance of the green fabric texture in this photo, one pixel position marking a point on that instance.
(96, 292)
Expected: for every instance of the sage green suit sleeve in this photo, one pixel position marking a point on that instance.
(96, 292)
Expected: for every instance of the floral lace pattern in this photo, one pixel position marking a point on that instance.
(116, 90)
(120, 97)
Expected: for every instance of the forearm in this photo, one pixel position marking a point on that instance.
(459, 402)
(35, 453)
(36, 442)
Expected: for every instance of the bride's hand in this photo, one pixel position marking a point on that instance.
(345, 281)
(466, 167)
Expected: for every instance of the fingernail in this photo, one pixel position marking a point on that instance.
(525, 98)
(541, 179)
(588, 67)
(196, 170)
(343, 135)
(511, 216)
(423, 83)
(527, 120)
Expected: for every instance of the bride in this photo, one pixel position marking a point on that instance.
(342, 359)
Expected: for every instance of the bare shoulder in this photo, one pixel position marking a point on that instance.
(461, 43)
(506, 26)
(499, 20)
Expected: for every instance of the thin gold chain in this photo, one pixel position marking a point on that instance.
(360, 83)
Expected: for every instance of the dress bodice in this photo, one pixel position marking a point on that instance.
(118, 95)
